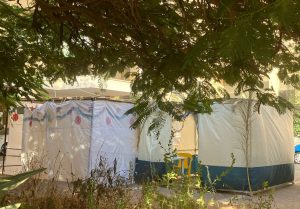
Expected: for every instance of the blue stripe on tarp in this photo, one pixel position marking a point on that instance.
(297, 148)
(236, 179)
(195, 164)
(146, 170)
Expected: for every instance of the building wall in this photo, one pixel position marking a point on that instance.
(187, 141)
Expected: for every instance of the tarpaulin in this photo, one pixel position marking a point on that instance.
(59, 136)
(151, 147)
(112, 137)
(269, 145)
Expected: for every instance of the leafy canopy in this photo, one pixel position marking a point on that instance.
(181, 46)
(27, 58)
(18, 61)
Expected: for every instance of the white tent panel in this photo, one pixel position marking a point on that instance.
(59, 136)
(33, 137)
(214, 131)
(223, 132)
(272, 138)
(112, 137)
(151, 148)
(68, 139)
(13, 160)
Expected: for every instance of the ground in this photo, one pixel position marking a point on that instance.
(287, 197)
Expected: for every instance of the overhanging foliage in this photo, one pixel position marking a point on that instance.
(179, 45)
(18, 60)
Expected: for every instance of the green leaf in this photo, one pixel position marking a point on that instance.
(15, 181)
(14, 206)
(179, 46)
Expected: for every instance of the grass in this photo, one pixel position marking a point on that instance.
(105, 189)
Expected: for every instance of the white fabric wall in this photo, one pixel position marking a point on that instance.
(59, 137)
(221, 133)
(68, 139)
(112, 137)
(272, 138)
(149, 147)
(33, 137)
(13, 158)
(219, 137)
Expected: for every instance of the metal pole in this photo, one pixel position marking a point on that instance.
(5, 140)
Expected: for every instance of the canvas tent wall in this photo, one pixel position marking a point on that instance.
(68, 138)
(12, 160)
(57, 137)
(151, 149)
(112, 137)
(267, 154)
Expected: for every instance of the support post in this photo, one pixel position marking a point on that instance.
(5, 140)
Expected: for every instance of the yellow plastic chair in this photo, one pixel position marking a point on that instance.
(187, 162)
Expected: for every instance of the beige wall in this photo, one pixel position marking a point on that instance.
(187, 138)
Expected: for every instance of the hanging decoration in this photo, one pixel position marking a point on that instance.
(15, 117)
(78, 120)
